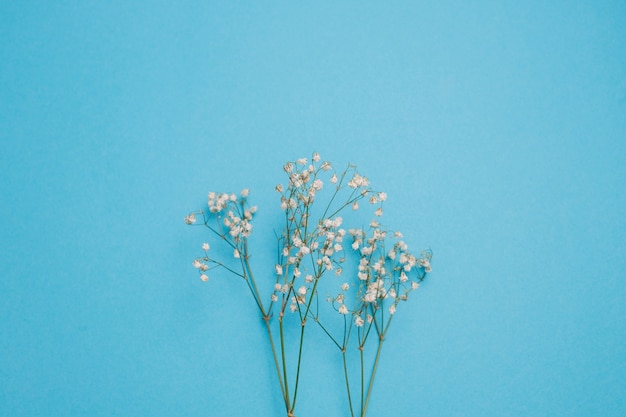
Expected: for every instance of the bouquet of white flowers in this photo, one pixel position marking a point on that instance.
(371, 268)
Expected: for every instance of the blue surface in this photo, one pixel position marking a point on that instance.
(498, 129)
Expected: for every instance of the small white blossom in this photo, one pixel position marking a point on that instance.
(379, 212)
(316, 157)
(236, 253)
(204, 277)
(308, 278)
(302, 290)
(245, 192)
(358, 321)
(392, 309)
(333, 179)
(205, 247)
(277, 287)
(274, 297)
(190, 219)
(382, 196)
(302, 161)
(345, 286)
(414, 285)
(343, 309)
(355, 206)
(279, 269)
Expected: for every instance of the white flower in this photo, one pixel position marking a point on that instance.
(197, 264)
(326, 166)
(277, 287)
(302, 290)
(279, 188)
(316, 157)
(392, 309)
(279, 269)
(245, 192)
(274, 297)
(333, 179)
(190, 219)
(236, 253)
(308, 278)
(379, 212)
(425, 263)
(358, 321)
(302, 161)
(293, 307)
(382, 196)
(205, 247)
(414, 285)
(204, 277)
(345, 286)
(355, 205)
(318, 184)
(343, 309)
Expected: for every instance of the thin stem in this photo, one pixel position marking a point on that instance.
(362, 378)
(374, 369)
(282, 350)
(295, 391)
(345, 372)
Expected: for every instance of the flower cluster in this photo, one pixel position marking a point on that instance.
(371, 267)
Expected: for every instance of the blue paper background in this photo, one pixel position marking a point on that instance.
(498, 129)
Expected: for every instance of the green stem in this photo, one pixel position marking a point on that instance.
(345, 372)
(362, 378)
(295, 391)
(282, 350)
(374, 369)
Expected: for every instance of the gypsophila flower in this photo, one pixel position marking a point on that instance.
(379, 272)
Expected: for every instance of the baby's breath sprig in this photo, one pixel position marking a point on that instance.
(376, 270)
